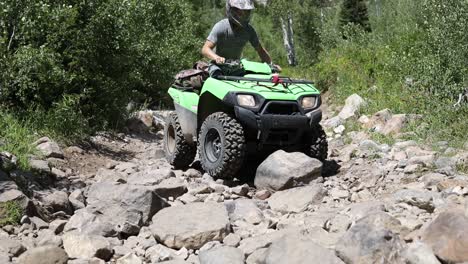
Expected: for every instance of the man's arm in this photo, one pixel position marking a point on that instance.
(265, 56)
(263, 53)
(207, 52)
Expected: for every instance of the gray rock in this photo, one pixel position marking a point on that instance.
(333, 122)
(241, 190)
(352, 105)
(232, 240)
(298, 199)
(258, 256)
(225, 255)
(371, 240)
(8, 194)
(395, 124)
(57, 225)
(444, 236)
(251, 244)
(445, 162)
(44, 255)
(171, 187)
(86, 246)
(244, 210)
(419, 253)
(91, 220)
(40, 166)
(77, 199)
(177, 261)
(115, 208)
(129, 259)
(357, 211)
(282, 170)
(39, 223)
(150, 177)
(4, 258)
(262, 194)
(11, 247)
(299, 250)
(49, 148)
(421, 199)
(187, 225)
(158, 253)
(47, 237)
(55, 202)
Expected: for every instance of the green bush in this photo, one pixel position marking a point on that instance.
(92, 57)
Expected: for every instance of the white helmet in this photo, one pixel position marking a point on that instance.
(239, 11)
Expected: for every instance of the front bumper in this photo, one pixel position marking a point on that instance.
(280, 130)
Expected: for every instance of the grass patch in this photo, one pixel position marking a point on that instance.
(16, 137)
(462, 168)
(382, 139)
(10, 213)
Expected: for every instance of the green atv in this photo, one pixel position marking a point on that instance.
(249, 112)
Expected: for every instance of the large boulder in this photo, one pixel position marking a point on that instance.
(225, 255)
(44, 255)
(298, 199)
(373, 239)
(446, 235)
(115, 209)
(49, 148)
(293, 249)
(352, 105)
(86, 246)
(191, 225)
(127, 196)
(55, 201)
(283, 170)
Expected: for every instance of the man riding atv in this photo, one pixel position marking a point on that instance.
(230, 35)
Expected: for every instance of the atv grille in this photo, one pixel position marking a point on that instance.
(281, 108)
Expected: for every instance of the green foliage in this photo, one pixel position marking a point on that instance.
(90, 57)
(355, 12)
(16, 137)
(414, 61)
(10, 213)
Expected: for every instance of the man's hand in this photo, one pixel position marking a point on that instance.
(220, 60)
(275, 68)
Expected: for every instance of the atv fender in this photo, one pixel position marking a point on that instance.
(210, 104)
(185, 104)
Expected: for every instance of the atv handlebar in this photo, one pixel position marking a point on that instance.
(285, 80)
(238, 63)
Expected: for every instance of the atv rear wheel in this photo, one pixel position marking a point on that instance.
(221, 146)
(318, 147)
(179, 153)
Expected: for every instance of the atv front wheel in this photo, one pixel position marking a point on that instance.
(221, 146)
(318, 147)
(179, 153)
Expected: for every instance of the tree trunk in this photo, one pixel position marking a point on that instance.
(288, 38)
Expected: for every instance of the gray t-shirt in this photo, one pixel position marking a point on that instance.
(230, 42)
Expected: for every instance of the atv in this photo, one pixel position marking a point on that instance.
(245, 110)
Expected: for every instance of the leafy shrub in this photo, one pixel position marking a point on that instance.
(90, 57)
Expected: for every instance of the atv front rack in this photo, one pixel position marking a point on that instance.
(275, 80)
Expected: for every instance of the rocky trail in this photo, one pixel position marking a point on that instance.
(116, 200)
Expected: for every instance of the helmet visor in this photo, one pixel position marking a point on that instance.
(243, 16)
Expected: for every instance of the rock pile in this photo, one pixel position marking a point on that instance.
(400, 203)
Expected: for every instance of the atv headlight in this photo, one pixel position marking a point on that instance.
(246, 100)
(309, 102)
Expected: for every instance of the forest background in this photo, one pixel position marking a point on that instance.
(69, 68)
